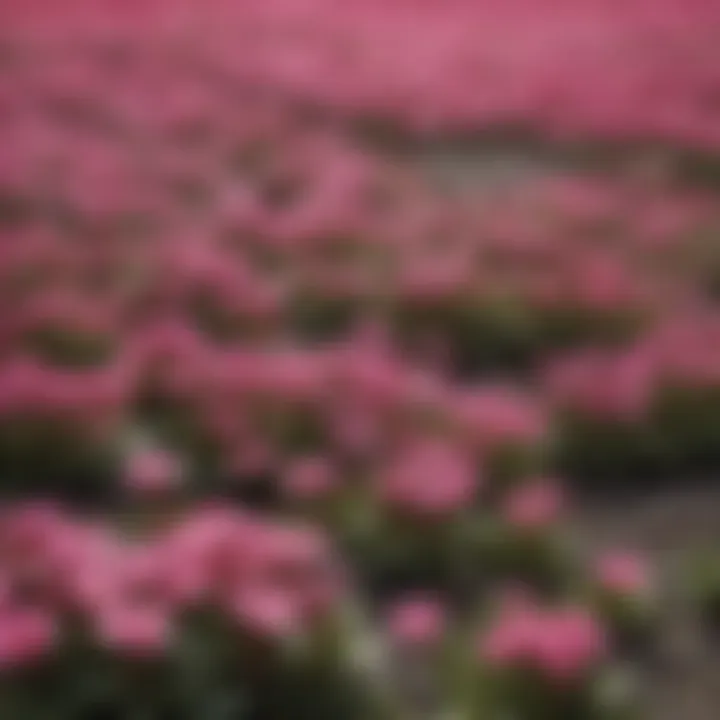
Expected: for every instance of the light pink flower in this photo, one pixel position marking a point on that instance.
(623, 573)
(568, 644)
(150, 472)
(429, 478)
(136, 630)
(561, 644)
(26, 635)
(494, 417)
(535, 505)
(510, 641)
(416, 621)
(309, 477)
(268, 612)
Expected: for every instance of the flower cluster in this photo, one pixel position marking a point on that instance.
(244, 590)
(653, 404)
(271, 580)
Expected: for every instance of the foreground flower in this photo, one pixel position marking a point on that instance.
(561, 644)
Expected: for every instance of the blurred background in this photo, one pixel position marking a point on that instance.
(359, 360)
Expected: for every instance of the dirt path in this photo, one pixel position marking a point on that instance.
(683, 681)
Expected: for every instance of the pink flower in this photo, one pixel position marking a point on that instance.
(568, 644)
(149, 472)
(134, 630)
(26, 635)
(535, 505)
(417, 621)
(623, 574)
(510, 641)
(429, 478)
(561, 644)
(355, 429)
(616, 386)
(268, 612)
(497, 416)
(309, 477)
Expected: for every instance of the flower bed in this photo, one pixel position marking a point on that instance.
(304, 412)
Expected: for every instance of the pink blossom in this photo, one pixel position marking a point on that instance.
(497, 416)
(536, 505)
(310, 477)
(623, 574)
(267, 612)
(416, 621)
(26, 636)
(136, 631)
(614, 386)
(430, 478)
(562, 644)
(569, 643)
(510, 642)
(152, 472)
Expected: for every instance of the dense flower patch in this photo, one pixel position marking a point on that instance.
(639, 72)
(651, 405)
(307, 410)
(180, 611)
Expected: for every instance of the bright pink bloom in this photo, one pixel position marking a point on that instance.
(268, 612)
(568, 644)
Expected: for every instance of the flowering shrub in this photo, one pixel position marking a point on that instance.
(651, 406)
(214, 606)
(208, 610)
(554, 651)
